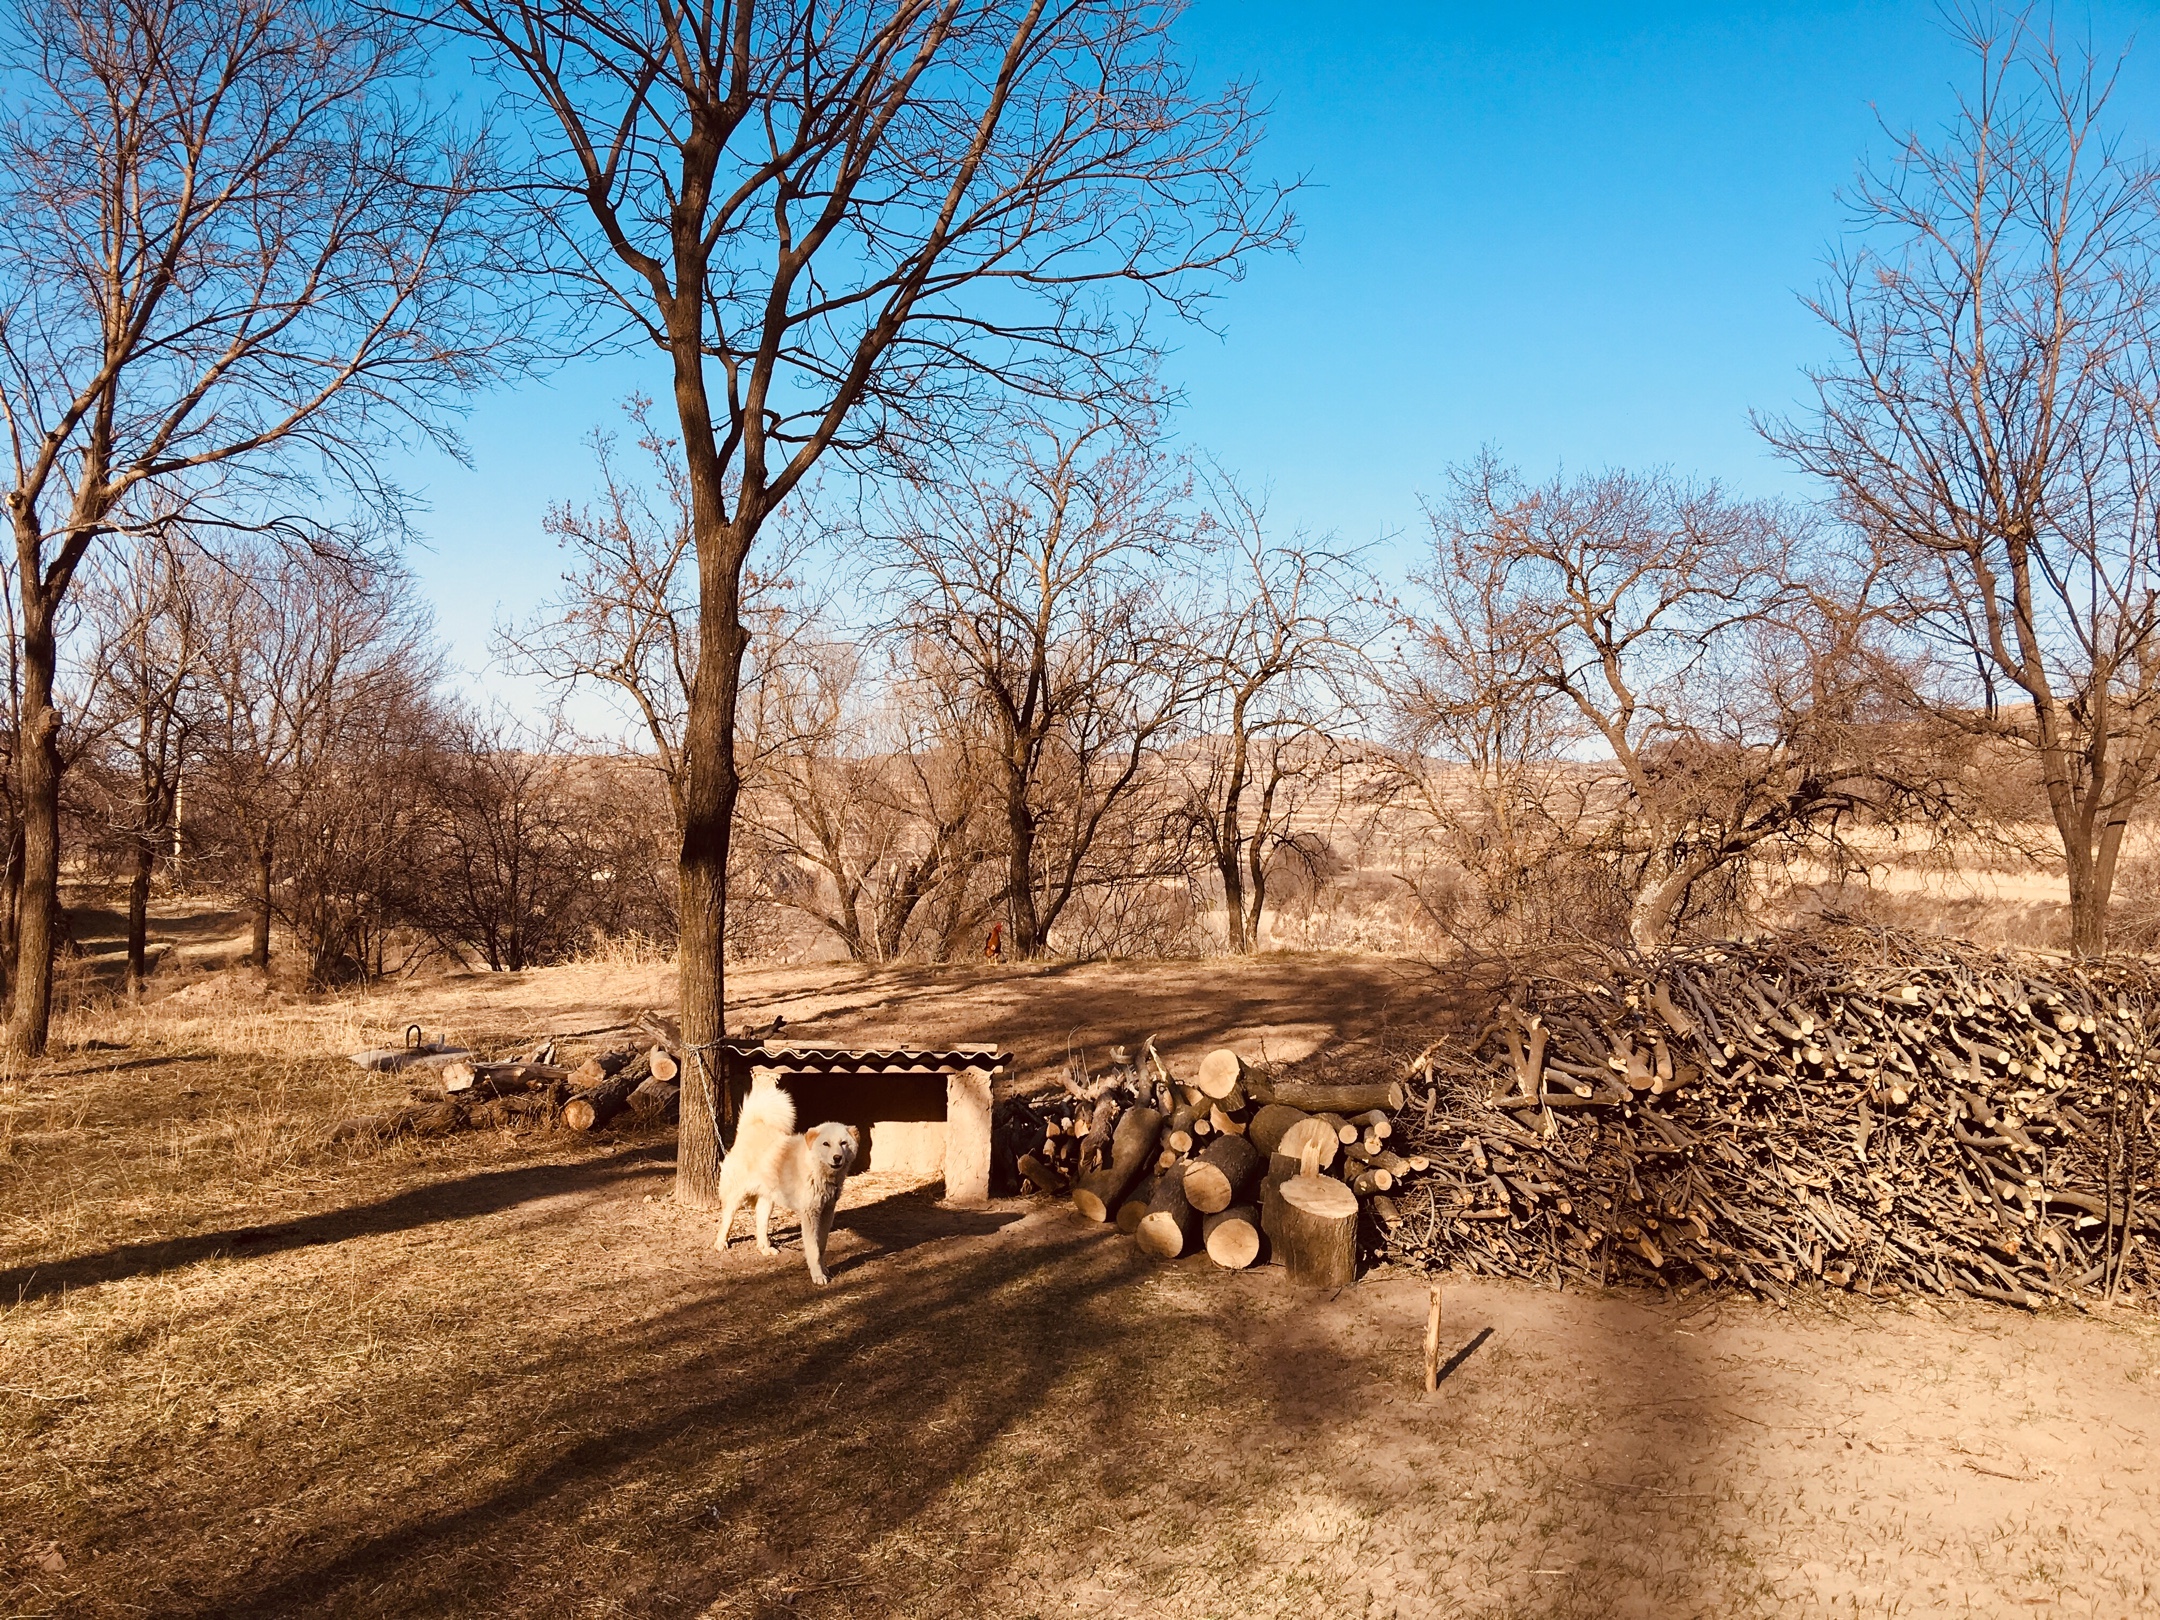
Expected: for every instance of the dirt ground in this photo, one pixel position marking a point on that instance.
(247, 1373)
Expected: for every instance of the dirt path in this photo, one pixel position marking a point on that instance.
(563, 1402)
(500, 1376)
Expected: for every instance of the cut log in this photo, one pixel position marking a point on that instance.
(1225, 1122)
(1316, 1228)
(1098, 1193)
(1313, 1099)
(1222, 1174)
(1135, 1205)
(663, 1064)
(481, 1080)
(1232, 1236)
(1266, 1127)
(600, 1066)
(1315, 1131)
(589, 1110)
(1095, 1146)
(656, 1102)
(1220, 1072)
(1171, 1224)
(389, 1059)
(1345, 1132)
(1038, 1175)
(1374, 1122)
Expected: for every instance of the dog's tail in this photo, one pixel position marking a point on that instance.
(768, 1106)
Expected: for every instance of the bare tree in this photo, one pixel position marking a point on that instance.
(1279, 654)
(232, 253)
(147, 636)
(322, 670)
(1993, 428)
(1669, 624)
(1050, 595)
(848, 226)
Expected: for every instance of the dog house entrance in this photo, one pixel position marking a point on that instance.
(923, 1113)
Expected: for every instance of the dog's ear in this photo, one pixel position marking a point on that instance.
(810, 1136)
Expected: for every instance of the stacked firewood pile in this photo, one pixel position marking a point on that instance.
(633, 1081)
(1229, 1160)
(1857, 1110)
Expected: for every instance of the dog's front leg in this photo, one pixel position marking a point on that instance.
(764, 1223)
(727, 1221)
(814, 1232)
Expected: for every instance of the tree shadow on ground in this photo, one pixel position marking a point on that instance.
(481, 1193)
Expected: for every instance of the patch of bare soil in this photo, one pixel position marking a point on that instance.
(507, 1376)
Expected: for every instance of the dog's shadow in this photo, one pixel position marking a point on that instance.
(886, 1226)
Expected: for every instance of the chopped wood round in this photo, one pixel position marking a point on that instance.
(1314, 1132)
(1265, 1129)
(1170, 1224)
(1345, 1132)
(1219, 1073)
(1222, 1174)
(1316, 1231)
(1135, 1205)
(1232, 1236)
(1098, 1193)
(663, 1064)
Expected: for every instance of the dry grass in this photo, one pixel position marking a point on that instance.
(246, 1373)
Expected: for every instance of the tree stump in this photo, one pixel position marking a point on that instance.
(1315, 1230)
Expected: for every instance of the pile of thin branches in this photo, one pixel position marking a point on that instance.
(1853, 1109)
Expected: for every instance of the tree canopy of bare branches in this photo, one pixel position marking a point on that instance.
(234, 253)
(849, 227)
(1664, 627)
(1992, 425)
(1045, 603)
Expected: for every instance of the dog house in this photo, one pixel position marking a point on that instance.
(925, 1113)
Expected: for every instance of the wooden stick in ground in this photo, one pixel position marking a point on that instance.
(1097, 1193)
(1170, 1224)
(1432, 1342)
(1222, 1174)
(1232, 1236)
(1316, 1226)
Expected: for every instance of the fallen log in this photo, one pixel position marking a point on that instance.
(1315, 1099)
(1223, 1173)
(1098, 1193)
(656, 1102)
(1232, 1236)
(1170, 1224)
(484, 1080)
(590, 1110)
(1266, 1128)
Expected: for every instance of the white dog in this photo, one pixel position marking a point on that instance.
(772, 1162)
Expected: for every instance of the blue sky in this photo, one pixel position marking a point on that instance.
(1575, 233)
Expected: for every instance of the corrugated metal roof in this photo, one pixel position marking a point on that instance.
(889, 1060)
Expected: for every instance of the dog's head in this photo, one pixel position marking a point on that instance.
(834, 1148)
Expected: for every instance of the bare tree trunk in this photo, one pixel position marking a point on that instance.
(138, 924)
(37, 766)
(265, 860)
(1028, 941)
(1228, 831)
(707, 1122)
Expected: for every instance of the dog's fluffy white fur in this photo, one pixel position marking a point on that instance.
(773, 1162)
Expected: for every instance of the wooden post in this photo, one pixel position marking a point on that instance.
(1432, 1342)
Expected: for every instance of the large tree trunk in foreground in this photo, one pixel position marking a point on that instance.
(708, 1104)
(37, 766)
